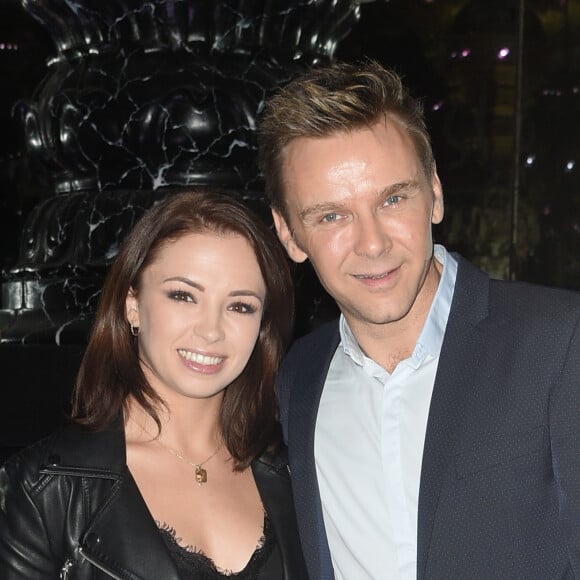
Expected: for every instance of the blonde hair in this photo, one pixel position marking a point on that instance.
(328, 100)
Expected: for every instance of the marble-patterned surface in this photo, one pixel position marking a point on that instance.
(142, 98)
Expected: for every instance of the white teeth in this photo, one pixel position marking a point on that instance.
(201, 359)
(365, 276)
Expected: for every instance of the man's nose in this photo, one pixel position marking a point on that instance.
(372, 239)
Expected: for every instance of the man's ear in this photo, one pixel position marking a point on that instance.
(438, 206)
(285, 234)
(132, 308)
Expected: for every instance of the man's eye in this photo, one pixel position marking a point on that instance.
(393, 200)
(330, 217)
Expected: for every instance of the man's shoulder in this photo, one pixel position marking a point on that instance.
(310, 351)
(325, 335)
(534, 299)
(515, 298)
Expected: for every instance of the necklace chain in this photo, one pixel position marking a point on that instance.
(200, 472)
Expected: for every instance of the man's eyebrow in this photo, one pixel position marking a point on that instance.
(329, 207)
(324, 207)
(400, 186)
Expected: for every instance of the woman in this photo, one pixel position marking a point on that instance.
(172, 468)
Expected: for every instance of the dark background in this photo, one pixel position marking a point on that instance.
(505, 133)
(447, 51)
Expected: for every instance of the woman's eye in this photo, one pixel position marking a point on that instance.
(181, 295)
(243, 308)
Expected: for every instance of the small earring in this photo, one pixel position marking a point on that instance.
(134, 329)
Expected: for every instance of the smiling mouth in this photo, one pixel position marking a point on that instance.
(200, 359)
(387, 276)
(371, 277)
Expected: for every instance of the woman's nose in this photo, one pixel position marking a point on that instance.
(209, 326)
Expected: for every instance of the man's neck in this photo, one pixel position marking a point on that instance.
(391, 342)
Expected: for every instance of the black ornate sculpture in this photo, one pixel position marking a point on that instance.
(141, 98)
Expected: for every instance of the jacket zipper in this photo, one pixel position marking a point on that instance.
(97, 565)
(64, 571)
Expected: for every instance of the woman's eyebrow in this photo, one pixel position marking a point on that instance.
(202, 288)
(185, 281)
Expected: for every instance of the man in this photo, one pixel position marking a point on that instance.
(434, 429)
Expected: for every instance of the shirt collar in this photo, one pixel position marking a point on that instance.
(431, 337)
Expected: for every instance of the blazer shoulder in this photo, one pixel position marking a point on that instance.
(533, 301)
(307, 352)
(326, 335)
(478, 296)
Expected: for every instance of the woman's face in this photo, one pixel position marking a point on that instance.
(199, 309)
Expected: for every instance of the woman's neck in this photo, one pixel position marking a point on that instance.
(192, 430)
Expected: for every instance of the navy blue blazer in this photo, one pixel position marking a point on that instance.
(499, 494)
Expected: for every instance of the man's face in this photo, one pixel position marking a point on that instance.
(360, 209)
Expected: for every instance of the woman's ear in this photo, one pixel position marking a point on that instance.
(132, 308)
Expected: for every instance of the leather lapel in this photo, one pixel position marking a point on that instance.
(123, 539)
(304, 403)
(273, 482)
(459, 359)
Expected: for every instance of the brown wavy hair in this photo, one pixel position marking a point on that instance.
(111, 373)
(324, 101)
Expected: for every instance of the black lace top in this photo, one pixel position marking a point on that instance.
(192, 564)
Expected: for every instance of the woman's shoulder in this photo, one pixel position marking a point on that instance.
(274, 459)
(70, 447)
(25, 465)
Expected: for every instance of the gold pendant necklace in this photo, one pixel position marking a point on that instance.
(200, 472)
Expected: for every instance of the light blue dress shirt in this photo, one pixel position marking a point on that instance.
(369, 438)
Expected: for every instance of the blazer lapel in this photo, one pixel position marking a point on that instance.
(304, 403)
(459, 359)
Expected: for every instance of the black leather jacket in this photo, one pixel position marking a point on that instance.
(70, 509)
